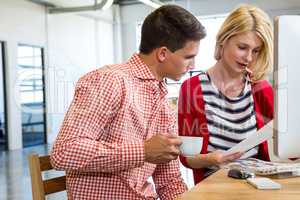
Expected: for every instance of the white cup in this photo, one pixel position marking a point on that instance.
(191, 145)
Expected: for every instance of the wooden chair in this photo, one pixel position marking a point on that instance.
(41, 188)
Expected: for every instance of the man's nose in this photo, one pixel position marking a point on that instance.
(192, 65)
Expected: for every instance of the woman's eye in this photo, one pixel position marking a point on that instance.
(256, 51)
(241, 47)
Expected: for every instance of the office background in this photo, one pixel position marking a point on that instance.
(42, 55)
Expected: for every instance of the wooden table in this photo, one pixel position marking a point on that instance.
(219, 186)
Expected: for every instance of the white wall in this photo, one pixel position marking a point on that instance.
(132, 14)
(73, 46)
(71, 53)
(21, 22)
(117, 34)
(105, 43)
(76, 45)
(219, 7)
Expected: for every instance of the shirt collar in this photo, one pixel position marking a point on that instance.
(139, 69)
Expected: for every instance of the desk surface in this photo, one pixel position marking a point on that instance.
(219, 186)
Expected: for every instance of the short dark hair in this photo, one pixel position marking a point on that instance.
(171, 26)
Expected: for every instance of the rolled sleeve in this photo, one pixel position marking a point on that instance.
(168, 181)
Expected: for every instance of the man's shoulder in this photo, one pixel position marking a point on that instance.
(111, 73)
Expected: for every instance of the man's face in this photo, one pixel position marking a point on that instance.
(181, 61)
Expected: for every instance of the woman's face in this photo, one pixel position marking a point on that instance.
(241, 51)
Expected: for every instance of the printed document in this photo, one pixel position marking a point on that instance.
(263, 134)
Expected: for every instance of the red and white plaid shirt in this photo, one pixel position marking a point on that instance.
(101, 142)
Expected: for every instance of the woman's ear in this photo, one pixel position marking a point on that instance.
(218, 51)
(162, 54)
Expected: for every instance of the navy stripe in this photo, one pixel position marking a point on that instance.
(229, 110)
(217, 146)
(230, 106)
(223, 97)
(229, 129)
(224, 137)
(235, 121)
(220, 95)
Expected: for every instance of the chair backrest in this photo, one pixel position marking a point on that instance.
(41, 188)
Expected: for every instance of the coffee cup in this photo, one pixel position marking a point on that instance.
(191, 145)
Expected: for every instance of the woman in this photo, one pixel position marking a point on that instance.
(231, 100)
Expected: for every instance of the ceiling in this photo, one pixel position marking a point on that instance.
(75, 3)
(89, 12)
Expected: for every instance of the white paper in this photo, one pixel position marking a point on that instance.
(265, 133)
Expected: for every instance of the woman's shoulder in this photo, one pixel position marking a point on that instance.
(192, 85)
(196, 79)
(262, 86)
(263, 92)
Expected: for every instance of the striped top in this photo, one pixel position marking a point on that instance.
(229, 119)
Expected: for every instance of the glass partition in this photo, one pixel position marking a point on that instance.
(32, 94)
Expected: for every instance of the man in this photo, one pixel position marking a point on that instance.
(119, 129)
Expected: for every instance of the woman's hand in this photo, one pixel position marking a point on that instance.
(215, 158)
(219, 158)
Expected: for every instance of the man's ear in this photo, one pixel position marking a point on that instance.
(162, 53)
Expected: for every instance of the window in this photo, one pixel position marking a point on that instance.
(32, 94)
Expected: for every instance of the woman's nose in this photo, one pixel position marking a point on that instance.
(249, 57)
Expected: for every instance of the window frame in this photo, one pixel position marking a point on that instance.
(5, 100)
(43, 87)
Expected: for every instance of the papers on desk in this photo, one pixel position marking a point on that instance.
(263, 134)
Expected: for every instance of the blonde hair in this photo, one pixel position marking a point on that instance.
(249, 18)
